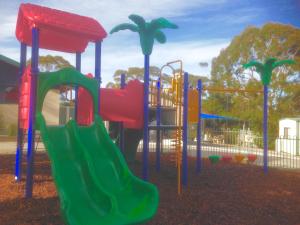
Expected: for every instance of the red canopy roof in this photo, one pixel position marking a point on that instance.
(59, 30)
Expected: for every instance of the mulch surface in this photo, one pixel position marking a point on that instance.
(222, 194)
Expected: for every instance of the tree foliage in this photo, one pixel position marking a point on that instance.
(133, 73)
(270, 41)
(138, 73)
(51, 63)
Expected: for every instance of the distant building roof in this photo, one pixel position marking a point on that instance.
(9, 61)
(9, 69)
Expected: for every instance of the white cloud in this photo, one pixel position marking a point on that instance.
(124, 56)
(109, 13)
(8, 26)
(8, 12)
(190, 52)
(120, 50)
(12, 53)
(112, 12)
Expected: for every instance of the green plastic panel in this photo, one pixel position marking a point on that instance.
(67, 76)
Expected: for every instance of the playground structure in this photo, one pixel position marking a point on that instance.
(241, 146)
(79, 154)
(175, 94)
(82, 143)
(110, 111)
(186, 103)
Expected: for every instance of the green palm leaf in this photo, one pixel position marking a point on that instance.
(282, 62)
(148, 32)
(259, 66)
(161, 23)
(265, 70)
(160, 37)
(138, 20)
(124, 26)
(269, 62)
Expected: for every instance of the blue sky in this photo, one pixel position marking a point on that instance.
(205, 27)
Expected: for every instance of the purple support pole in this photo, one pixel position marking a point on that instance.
(185, 130)
(146, 118)
(98, 68)
(121, 124)
(78, 68)
(265, 124)
(199, 126)
(31, 125)
(158, 116)
(78, 61)
(19, 151)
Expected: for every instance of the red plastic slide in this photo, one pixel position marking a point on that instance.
(120, 105)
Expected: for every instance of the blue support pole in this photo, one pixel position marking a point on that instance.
(78, 68)
(158, 116)
(19, 150)
(98, 68)
(31, 125)
(199, 126)
(78, 61)
(121, 123)
(185, 129)
(265, 128)
(146, 118)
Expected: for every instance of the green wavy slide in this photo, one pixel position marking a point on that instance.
(93, 181)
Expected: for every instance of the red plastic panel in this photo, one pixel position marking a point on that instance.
(24, 100)
(252, 158)
(226, 158)
(85, 114)
(59, 30)
(124, 105)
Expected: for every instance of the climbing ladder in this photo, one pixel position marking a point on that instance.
(174, 99)
(177, 85)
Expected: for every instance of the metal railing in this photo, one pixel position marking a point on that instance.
(283, 152)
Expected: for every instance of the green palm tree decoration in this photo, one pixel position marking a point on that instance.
(265, 72)
(147, 31)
